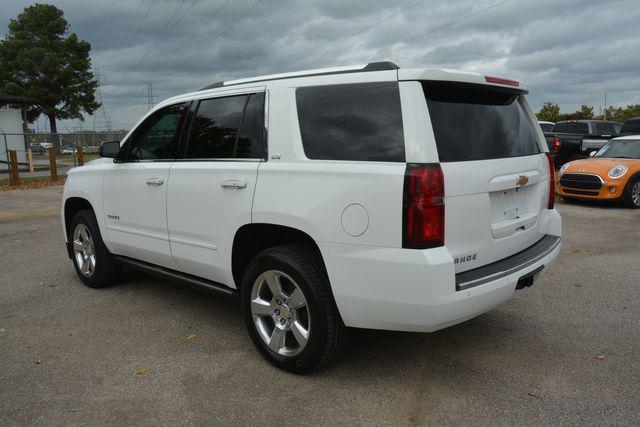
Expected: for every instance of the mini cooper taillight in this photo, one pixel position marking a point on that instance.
(552, 182)
(423, 206)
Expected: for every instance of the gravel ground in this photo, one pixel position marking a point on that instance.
(564, 351)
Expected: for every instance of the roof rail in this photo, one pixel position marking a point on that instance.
(372, 66)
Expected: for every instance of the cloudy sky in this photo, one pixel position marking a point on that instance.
(569, 51)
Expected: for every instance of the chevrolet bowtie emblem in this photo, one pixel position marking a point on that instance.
(522, 180)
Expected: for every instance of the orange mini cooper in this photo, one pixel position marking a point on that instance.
(612, 173)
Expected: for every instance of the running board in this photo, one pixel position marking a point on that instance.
(176, 276)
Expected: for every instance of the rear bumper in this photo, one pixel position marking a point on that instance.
(414, 290)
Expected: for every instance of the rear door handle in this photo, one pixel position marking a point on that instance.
(234, 184)
(155, 181)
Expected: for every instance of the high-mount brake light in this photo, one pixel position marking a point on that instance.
(502, 81)
(423, 206)
(552, 182)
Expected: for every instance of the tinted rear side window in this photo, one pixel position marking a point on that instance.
(572, 127)
(360, 121)
(475, 122)
(229, 127)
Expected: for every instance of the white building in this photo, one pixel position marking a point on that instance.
(12, 130)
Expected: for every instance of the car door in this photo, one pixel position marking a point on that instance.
(211, 189)
(135, 189)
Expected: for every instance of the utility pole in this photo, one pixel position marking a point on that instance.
(105, 118)
(604, 115)
(149, 96)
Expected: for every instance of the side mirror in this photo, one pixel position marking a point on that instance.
(593, 153)
(109, 149)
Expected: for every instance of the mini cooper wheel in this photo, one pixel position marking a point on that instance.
(289, 309)
(632, 196)
(92, 260)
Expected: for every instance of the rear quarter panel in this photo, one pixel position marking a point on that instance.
(312, 195)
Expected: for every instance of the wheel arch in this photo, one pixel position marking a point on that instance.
(251, 239)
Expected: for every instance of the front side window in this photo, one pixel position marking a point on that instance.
(229, 127)
(157, 137)
(360, 121)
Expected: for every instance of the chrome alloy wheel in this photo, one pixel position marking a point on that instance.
(635, 194)
(84, 250)
(280, 313)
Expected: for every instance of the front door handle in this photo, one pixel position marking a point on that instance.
(155, 181)
(234, 184)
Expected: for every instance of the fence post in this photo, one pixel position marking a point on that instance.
(30, 159)
(13, 156)
(80, 156)
(52, 164)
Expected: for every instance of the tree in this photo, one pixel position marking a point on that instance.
(584, 113)
(39, 60)
(549, 112)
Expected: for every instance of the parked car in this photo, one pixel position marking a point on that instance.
(574, 139)
(631, 126)
(37, 149)
(546, 126)
(325, 200)
(68, 150)
(613, 173)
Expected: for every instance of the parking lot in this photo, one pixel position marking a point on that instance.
(151, 352)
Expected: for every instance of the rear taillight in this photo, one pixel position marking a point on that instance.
(423, 206)
(556, 144)
(552, 182)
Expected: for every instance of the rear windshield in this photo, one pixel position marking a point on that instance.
(546, 127)
(572, 127)
(475, 122)
(631, 127)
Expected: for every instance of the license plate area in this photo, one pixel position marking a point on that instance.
(512, 211)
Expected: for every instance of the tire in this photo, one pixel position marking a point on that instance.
(103, 269)
(281, 319)
(632, 194)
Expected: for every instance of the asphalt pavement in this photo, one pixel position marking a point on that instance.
(147, 351)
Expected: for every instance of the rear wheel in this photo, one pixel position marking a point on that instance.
(289, 309)
(632, 195)
(92, 260)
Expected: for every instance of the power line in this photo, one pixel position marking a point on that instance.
(219, 35)
(135, 33)
(134, 19)
(164, 32)
(193, 34)
(426, 33)
(317, 27)
(128, 29)
(368, 27)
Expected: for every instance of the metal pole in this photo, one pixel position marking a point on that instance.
(6, 147)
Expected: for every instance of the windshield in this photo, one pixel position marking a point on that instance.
(622, 149)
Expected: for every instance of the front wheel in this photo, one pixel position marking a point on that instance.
(92, 260)
(289, 309)
(632, 196)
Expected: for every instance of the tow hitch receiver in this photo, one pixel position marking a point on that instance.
(527, 280)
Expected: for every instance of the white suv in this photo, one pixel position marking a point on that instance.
(368, 197)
